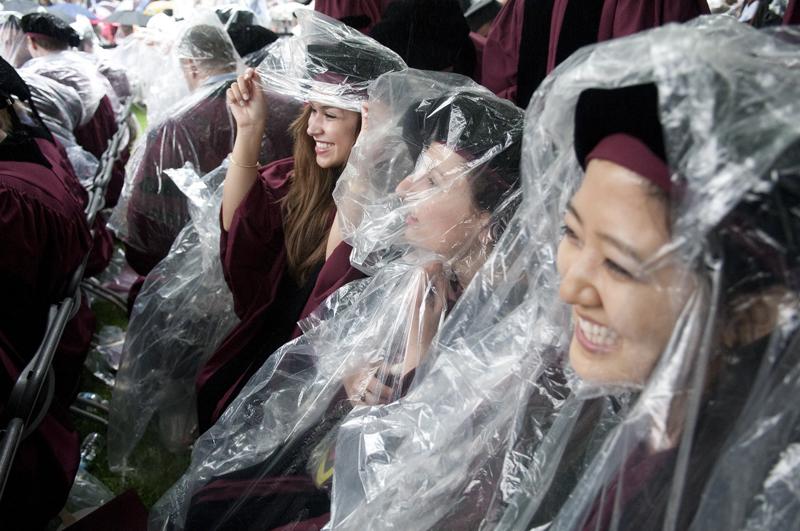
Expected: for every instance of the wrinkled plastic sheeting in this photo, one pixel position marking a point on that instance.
(183, 311)
(200, 131)
(59, 106)
(328, 62)
(71, 69)
(430, 137)
(292, 404)
(87, 492)
(198, 42)
(12, 41)
(284, 423)
(153, 72)
(498, 431)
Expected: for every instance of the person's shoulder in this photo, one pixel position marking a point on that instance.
(276, 174)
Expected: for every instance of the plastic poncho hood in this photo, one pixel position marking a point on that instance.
(328, 62)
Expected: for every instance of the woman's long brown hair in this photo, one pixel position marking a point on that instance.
(308, 207)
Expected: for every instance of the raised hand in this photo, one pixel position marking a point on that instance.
(247, 101)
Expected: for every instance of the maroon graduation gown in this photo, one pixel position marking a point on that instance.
(479, 41)
(266, 299)
(158, 210)
(77, 336)
(44, 238)
(340, 9)
(45, 464)
(202, 133)
(792, 15)
(94, 136)
(626, 17)
(502, 49)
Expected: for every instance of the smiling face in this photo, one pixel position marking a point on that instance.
(442, 216)
(623, 316)
(334, 132)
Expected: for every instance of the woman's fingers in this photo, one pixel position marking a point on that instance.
(236, 94)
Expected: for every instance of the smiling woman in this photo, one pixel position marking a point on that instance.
(276, 219)
(613, 224)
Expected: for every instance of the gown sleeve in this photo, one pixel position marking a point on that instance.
(251, 250)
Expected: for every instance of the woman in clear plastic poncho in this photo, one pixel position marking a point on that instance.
(585, 415)
(453, 160)
(275, 219)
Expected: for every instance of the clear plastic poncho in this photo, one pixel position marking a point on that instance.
(328, 62)
(200, 131)
(152, 70)
(61, 110)
(501, 432)
(182, 312)
(268, 460)
(70, 68)
(12, 40)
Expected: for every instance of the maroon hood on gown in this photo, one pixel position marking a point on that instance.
(45, 237)
(268, 302)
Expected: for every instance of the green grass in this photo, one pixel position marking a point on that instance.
(140, 113)
(154, 469)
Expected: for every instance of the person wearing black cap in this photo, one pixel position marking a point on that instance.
(48, 38)
(44, 237)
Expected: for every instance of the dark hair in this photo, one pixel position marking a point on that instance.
(758, 239)
(210, 45)
(475, 126)
(52, 33)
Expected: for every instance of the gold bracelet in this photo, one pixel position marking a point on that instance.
(249, 166)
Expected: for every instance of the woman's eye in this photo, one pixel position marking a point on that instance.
(568, 232)
(330, 116)
(618, 270)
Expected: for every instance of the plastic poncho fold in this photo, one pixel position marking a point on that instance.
(170, 333)
(70, 68)
(267, 461)
(198, 130)
(499, 432)
(328, 62)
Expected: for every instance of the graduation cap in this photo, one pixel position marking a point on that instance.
(624, 124)
(348, 63)
(11, 84)
(50, 26)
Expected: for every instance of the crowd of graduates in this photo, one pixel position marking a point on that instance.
(409, 264)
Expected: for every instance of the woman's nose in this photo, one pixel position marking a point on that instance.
(578, 283)
(314, 126)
